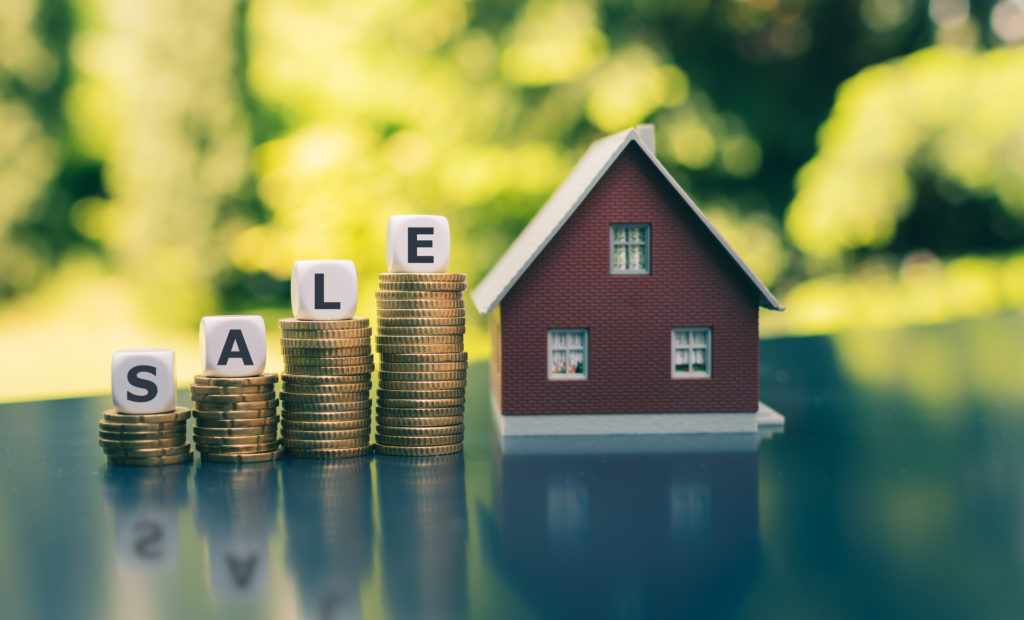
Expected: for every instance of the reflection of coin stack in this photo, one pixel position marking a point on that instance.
(325, 399)
(236, 511)
(328, 509)
(422, 389)
(236, 418)
(423, 535)
(145, 438)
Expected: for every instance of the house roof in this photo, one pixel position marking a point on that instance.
(564, 202)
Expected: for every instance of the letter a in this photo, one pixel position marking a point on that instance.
(235, 337)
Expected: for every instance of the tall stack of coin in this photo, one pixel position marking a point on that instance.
(145, 438)
(325, 396)
(422, 391)
(236, 418)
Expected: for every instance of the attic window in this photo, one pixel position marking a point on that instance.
(630, 249)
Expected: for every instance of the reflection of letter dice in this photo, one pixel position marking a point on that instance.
(324, 289)
(418, 244)
(233, 346)
(142, 380)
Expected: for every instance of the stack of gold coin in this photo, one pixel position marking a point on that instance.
(325, 395)
(145, 438)
(422, 391)
(236, 418)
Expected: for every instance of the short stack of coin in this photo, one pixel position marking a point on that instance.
(236, 418)
(145, 438)
(421, 395)
(325, 395)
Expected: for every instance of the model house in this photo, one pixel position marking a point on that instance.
(620, 303)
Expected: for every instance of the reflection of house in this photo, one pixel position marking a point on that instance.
(620, 297)
(627, 534)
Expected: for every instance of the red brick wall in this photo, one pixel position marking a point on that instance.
(692, 283)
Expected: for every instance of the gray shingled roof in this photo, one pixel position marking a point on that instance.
(563, 203)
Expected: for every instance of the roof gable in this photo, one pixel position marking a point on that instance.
(563, 203)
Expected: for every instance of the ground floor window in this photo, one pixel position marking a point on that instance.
(691, 352)
(567, 354)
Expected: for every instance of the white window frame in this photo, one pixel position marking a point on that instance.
(552, 375)
(690, 348)
(629, 246)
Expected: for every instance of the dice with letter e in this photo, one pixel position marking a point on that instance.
(233, 345)
(142, 380)
(418, 244)
(324, 290)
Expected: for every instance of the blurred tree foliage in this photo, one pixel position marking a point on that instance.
(198, 148)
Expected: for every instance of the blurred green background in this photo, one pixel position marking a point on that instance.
(164, 160)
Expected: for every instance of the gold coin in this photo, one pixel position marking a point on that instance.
(433, 330)
(321, 380)
(327, 371)
(299, 401)
(433, 412)
(324, 334)
(423, 367)
(113, 430)
(424, 303)
(321, 435)
(421, 386)
(256, 457)
(228, 440)
(331, 388)
(452, 376)
(419, 348)
(420, 403)
(203, 416)
(230, 399)
(327, 416)
(132, 452)
(427, 287)
(297, 355)
(323, 343)
(416, 421)
(361, 424)
(250, 448)
(439, 339)
(417, 295)
(253, 405)
(204, 432)
(422, 277)
(207, 390)
(425, 359)
(418, 450)
(324, 444)
(356, 322)
(141, 444)
(308, 407)
(431, 395)
(341, 453)
(238, 423)
(421, 431)
(150, 460)
(416, 322)
(180, 414)
(421, 313)
(264, 379)
(413, 440)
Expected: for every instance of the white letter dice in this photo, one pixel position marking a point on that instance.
(142, 380)
(418, 244)
(233, 346)
(324, 289)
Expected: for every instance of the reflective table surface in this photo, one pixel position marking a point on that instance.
(896, 490)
